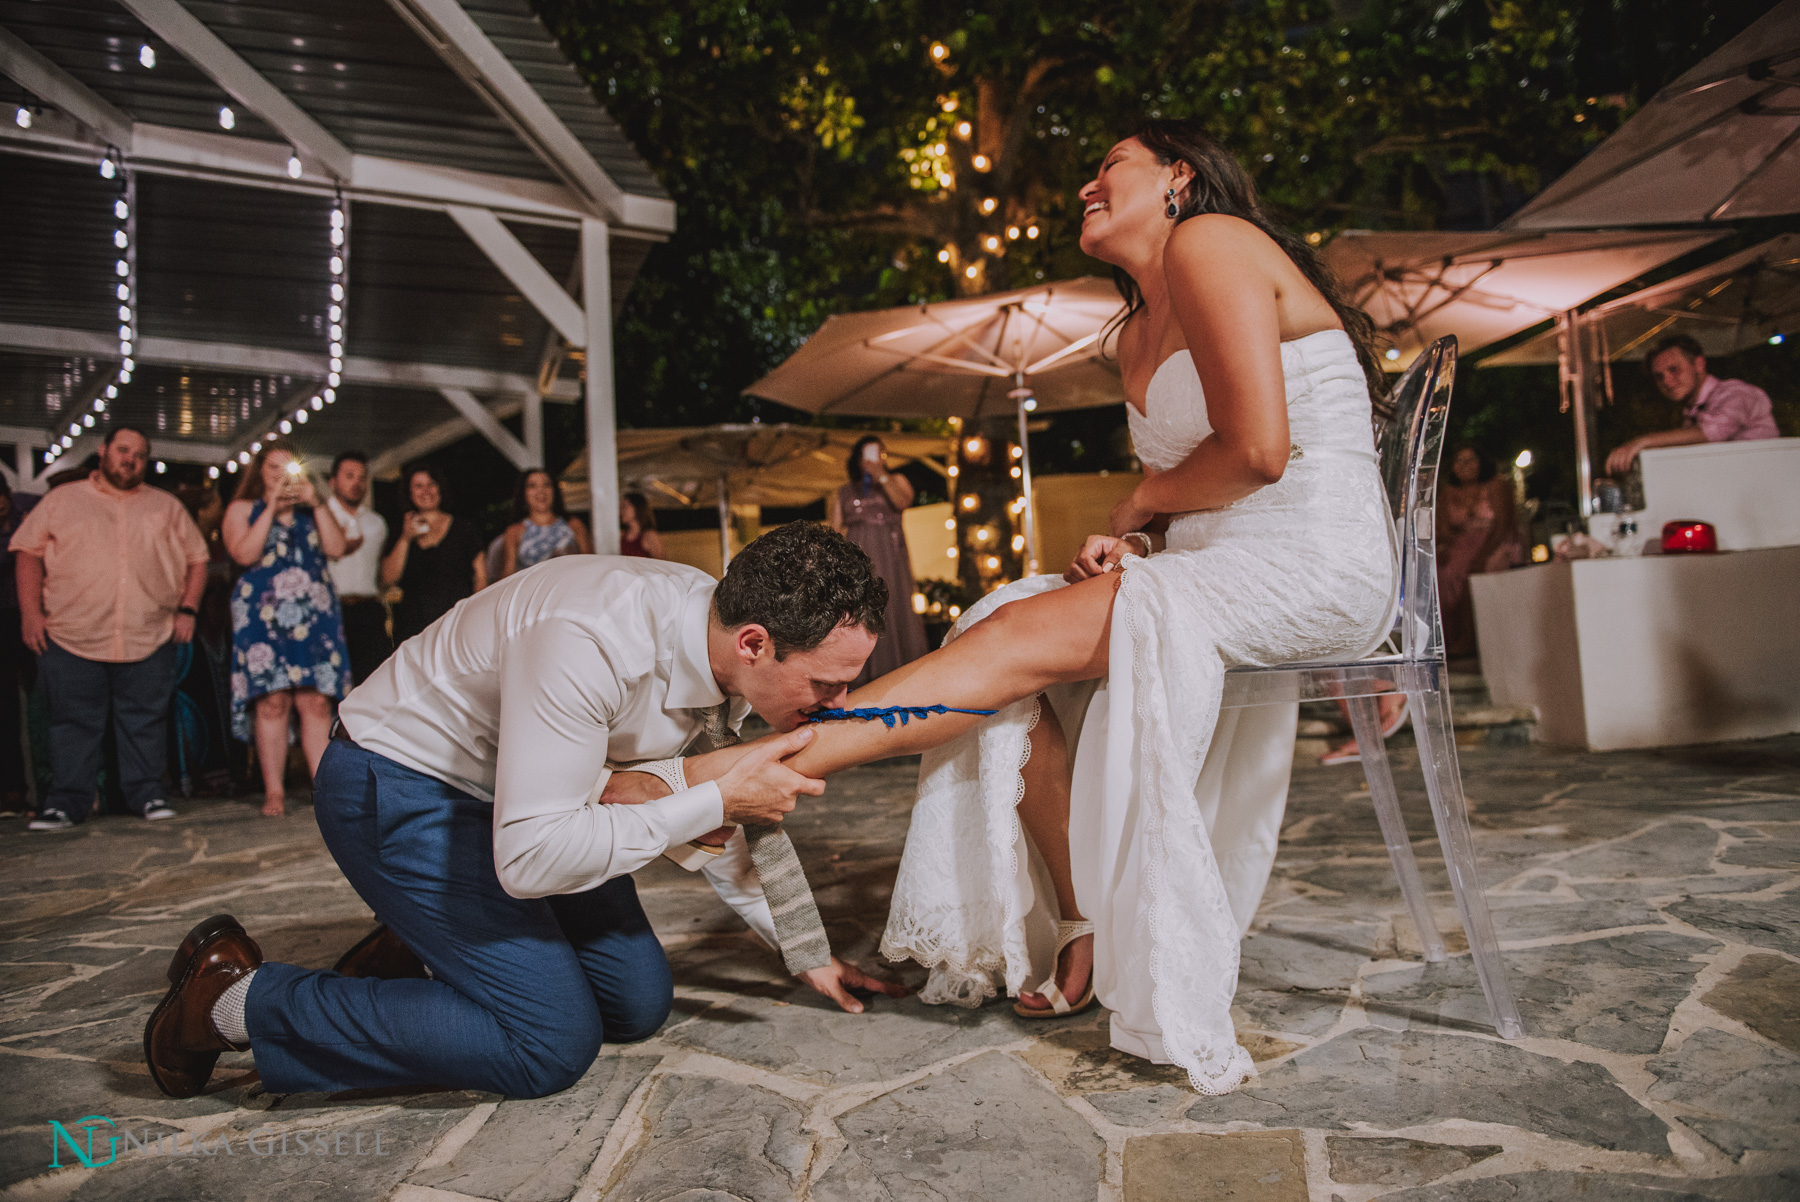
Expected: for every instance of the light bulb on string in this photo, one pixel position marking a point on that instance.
(107, 168)
(147, 56)
(227, 118)
(124, 292)
(300, 416)
(294, 168)
(337, 266)
(330, 395)
(121, 210)
(337, 292)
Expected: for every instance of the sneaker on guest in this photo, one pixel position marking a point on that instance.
(157, 810)
(51, 820)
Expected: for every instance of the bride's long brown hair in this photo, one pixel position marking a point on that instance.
(1221, 185)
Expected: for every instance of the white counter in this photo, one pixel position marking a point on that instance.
(1655, 651)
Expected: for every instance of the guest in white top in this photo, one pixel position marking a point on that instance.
(460, 797)
(355, 572)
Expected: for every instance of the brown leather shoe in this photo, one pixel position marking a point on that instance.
(181, 1045)
(383, 955)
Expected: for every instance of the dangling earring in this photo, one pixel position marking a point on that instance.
(1174, 210)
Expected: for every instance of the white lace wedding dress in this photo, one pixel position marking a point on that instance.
(1175, 809)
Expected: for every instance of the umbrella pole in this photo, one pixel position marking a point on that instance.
(1574, 382)
(1026, 404)
(724, 521)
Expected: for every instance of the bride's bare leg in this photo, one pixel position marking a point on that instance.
(1044, 813)
(1020, 649)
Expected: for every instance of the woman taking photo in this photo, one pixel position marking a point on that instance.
(867, 511)
(436, 560)
(637, 527)
(541, 528)
(287, 635)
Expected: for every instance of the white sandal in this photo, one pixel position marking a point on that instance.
(1066, 933)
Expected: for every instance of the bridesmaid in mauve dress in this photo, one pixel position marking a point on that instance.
(867, 510)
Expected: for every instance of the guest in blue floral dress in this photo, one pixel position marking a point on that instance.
(287, 635)
(541, 527)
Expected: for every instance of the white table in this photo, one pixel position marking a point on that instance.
(1655, 651)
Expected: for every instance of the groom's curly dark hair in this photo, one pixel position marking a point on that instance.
(800, 582)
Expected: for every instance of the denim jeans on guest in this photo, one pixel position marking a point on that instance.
(524, 991)
(81, 693)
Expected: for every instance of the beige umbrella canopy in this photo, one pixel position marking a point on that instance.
(1736, 303)
(1721, 143)
(780, 465)
(1482, 287)
(960, 358)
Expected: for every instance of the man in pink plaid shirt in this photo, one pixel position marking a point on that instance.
(1713, 410)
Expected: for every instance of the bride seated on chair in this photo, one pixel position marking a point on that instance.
(1128, 870)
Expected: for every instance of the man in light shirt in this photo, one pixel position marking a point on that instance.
(461, 799)
(354, 574)
(110, 572)
(1712, 410)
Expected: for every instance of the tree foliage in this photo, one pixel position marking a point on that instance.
(819, 159)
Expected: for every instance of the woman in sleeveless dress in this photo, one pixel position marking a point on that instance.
(637, 528)
(1259, 535)
(867, 512)
(288, 650)
(541, 527)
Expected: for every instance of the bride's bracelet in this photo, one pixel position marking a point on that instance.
(1143, 537)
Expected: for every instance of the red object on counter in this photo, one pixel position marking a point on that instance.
(1679, 538)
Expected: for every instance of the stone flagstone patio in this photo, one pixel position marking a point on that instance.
(1649, 904)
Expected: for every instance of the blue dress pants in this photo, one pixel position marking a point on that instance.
(524, 991)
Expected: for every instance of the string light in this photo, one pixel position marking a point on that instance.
(939, 52)
(970, 271)
(293, 166)
(1031, 231)
(1012, 233)
(1392, 353)
(964, 129)
(147, 55)
(227, 118)
(944, 255)
(340, 267)
(989, 204)
(981, 162)
(22, 117)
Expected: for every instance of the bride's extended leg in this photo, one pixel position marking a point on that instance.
(1020, 649)
(1044, 813)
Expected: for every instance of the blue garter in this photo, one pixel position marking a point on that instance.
(888, 713)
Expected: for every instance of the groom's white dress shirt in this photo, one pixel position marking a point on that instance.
(525, 692)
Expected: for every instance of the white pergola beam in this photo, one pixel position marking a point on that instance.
(602, 417)
(256, 360)
(440, 435)
(472, 54)
(199, 154)
(505, 251)
(489, 427)
(22, 63)
(242, 82)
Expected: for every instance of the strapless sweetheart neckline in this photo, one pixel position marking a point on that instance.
(1174, 355)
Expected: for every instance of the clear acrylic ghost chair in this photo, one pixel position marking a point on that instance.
(1408, 445)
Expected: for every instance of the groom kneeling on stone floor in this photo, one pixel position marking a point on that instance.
(460, 797)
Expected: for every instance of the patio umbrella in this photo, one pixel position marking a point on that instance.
(1718, 144)
(1728, 306)
(781, 465)
(1483, 287)
(1034, 349)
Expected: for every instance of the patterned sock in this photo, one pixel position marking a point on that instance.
(228, 1013)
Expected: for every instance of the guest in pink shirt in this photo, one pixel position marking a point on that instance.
(110, 573)
(1713, 410)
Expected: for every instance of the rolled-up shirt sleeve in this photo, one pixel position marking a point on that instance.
(734, 879)
(558, 693)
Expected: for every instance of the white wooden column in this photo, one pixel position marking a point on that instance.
(533, 428)
(602, 422)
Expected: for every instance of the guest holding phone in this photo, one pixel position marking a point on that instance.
(437, 560)
(867, 510)
(287, 639)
